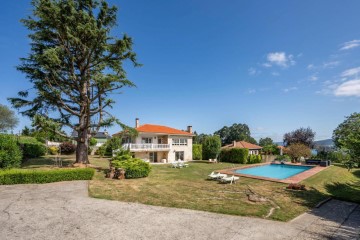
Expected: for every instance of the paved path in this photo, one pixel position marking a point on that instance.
(64, 211)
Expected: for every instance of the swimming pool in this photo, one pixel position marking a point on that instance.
(276, 171)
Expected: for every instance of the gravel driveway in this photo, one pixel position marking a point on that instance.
(64, 211)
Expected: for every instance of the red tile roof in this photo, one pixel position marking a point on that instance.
(151, 128)
(242, 144)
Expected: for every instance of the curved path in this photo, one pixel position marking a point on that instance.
(64, 211)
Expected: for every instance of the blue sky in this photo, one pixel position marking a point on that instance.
(274, 65)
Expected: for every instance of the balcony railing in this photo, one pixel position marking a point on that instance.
(146, 147)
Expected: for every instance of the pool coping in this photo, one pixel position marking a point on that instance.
(293, 179)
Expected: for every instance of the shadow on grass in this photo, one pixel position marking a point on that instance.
(345, 191)
(309, 198)
(44, 162)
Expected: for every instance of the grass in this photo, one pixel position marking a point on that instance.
(67, 160)
(188, 188)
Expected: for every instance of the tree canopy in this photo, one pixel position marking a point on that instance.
(297, 150)
(236, 132)
(266, 141)
(302, 135)
(8, 119)
(74, 65)
(347, 136)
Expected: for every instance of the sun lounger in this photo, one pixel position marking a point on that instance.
(230, 180)
(216, 176)
(174, 164)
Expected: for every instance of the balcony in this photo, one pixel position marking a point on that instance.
(146, 147)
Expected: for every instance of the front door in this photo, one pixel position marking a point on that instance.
(153, 157)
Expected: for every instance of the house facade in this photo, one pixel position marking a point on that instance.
(253, 148)
(159, 144)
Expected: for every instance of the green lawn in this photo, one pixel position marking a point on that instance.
(188, 188)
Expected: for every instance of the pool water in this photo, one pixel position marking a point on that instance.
(277, 171)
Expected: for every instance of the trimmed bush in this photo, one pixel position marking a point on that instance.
(211, 147)
(254, 159)
(24, 176)
(31, 147)
(234, 155)
(197, 152)
(134, 168)
(10, 153)
(67, 148)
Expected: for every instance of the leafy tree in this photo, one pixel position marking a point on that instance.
(8, 120)
(302, 135)
(74, 65)
(297, 150)
(199, 138)
(26, 131)
(266, 141)
(236, 132)
(211, 147)
(347, 136)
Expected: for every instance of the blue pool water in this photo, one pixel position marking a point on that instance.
(278, 171)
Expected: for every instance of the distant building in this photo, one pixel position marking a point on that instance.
(101, 137)
(157, 143)
(253, 148)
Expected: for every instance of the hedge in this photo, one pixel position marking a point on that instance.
(10, 153)
(31, 147)
(26, 176)
(234, 155)
(254, 159)
(197, 152)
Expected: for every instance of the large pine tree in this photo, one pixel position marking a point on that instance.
(74, 65)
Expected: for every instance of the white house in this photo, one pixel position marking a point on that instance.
(158, 143)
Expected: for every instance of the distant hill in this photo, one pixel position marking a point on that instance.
(320, 143)
(325, 143)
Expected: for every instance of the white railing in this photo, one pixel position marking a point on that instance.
(145, 146)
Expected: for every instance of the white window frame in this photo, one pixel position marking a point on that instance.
(179, 142)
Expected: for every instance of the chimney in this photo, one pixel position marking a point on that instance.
(137, 122)
(234, 143)
(189, 129)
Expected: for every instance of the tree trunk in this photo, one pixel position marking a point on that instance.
(82, 147)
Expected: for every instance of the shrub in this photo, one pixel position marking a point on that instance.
(296, 186)
(53, 150)
(10, 153)
(92, 142)
(134, 168)
(234, 155)
(211, 147)
(283, 157)
(67, 148)
(197, 151)
(254, 159)
(31, 147)
(122, 155)
(23, 176)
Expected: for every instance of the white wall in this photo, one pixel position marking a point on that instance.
(177, 148)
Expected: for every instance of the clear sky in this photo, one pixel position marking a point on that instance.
(274, 65)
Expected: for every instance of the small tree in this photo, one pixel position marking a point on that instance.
(297, 150)
(347, 136)
(197, 151)
(211, 147)
(302, 135)
(8, 120)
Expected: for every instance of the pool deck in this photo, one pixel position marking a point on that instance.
(293, 179)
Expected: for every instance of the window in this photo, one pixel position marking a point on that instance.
(146, 140)
(179, 156)
(179, 141)
(153, 156)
